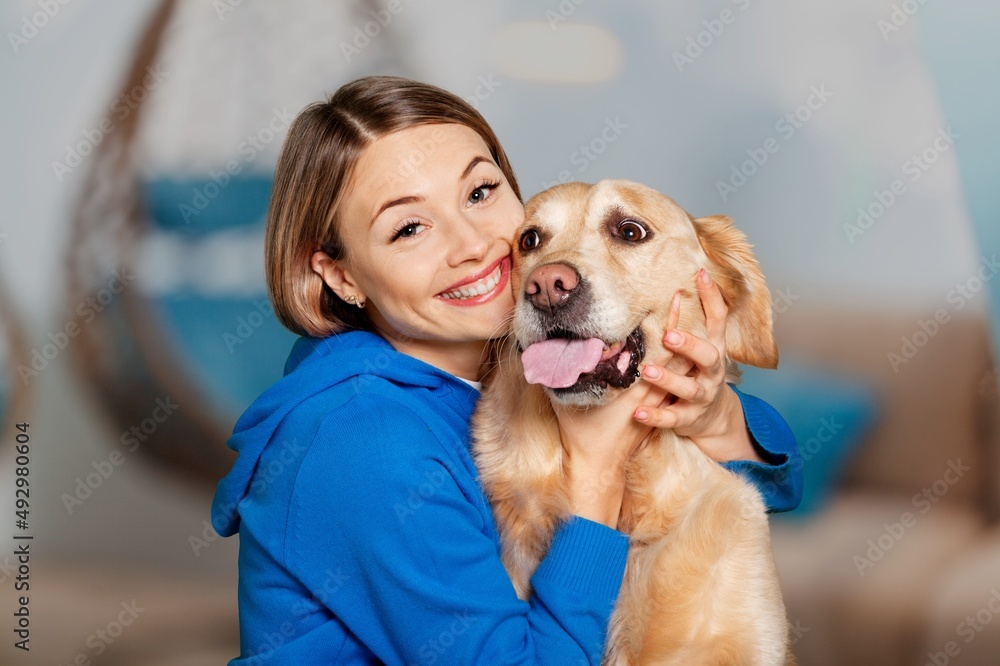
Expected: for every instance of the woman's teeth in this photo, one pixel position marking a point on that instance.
(478, 288)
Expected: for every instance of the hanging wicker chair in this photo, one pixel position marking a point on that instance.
(172, 207)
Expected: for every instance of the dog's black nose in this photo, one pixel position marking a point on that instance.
(550, 287)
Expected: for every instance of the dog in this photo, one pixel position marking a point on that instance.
(603, 262)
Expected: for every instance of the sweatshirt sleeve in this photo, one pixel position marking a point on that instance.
(378, 500)
(779, 478)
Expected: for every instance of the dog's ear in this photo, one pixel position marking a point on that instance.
(733, 266)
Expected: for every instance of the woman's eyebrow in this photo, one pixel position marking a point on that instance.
(396, 202)
(401, 201)
(472, 165)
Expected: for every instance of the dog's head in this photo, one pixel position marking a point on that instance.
(595, 268)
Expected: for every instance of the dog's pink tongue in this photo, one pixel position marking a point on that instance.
(558, 363)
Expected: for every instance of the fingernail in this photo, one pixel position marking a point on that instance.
(641, 414)
(676, 305)
(651, 371)
(704, 276)
(674, 338)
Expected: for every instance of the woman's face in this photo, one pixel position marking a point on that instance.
(427, 228)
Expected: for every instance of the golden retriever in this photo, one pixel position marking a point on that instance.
(603, 262)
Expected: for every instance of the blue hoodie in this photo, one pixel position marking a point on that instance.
(365, 536)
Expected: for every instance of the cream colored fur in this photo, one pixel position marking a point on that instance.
(700, 584)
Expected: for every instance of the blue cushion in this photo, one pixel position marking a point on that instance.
(231, 345)
(828, 414)
(202, 206)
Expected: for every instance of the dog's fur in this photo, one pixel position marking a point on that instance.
(700, 584)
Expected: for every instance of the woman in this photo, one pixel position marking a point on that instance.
(364, 535)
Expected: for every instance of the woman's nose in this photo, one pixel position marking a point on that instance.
(470, 240)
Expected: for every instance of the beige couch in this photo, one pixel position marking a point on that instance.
(907, 604)
(893, 568)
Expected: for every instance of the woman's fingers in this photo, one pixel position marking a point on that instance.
(703, 353)
(676, 416)
(675, 311)
(695, 391)
(715, 308)
(685, 388)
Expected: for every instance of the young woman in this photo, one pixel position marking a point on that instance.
(364, 535)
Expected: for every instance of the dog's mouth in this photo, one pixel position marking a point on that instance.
(568, 363)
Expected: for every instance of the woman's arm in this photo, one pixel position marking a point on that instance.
(402, 523)
(777, 471)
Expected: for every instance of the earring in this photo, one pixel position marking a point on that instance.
(353, 300)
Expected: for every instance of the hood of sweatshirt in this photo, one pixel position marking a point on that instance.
(313, 365)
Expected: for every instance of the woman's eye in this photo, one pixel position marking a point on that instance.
(631, 231)
(482, 192)
(529, 240)
(407, 230)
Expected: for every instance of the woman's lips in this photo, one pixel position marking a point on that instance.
(475, 277)
(498, 278)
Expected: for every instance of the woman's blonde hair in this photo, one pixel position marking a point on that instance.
(316, 164)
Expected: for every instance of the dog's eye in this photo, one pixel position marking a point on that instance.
(631, 230)
(529, 240)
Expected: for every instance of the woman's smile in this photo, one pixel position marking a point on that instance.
(480, 287)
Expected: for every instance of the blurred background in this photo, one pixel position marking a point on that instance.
(853, 142)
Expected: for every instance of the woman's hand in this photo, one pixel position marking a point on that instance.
(706, 409)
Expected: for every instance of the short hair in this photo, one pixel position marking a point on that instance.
(316, 164)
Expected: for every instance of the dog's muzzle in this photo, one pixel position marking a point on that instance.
(572, 358)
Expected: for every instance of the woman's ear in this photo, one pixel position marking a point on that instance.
(733, 266)
(336, 276)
